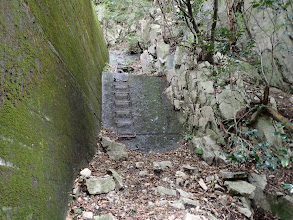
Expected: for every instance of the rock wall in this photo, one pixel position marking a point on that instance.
(52, 53)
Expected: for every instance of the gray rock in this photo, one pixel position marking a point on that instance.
(162, 50)
(258, 180)
(291, 99)
(241, 188)
(99, 185)
(194, 217)
(87, 215)
(177, 204)
(211, 151)
(230, 102)
(146, 62)
(177, 104)
(165, 191)
(245, 211)
(191, 202)
(117, 178)
(76, 191)
(189, 169)
(116, 151)
(182, 175)
(139, 165)
(143, 173)
(227, 175)
(86, 172)
(185, 194)
(162, 164)
(206, 87)
(108, 216)
(162, 203)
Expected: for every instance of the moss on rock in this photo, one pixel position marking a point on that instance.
(51, 57)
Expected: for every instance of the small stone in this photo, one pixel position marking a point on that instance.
(99, 185)
(202, 184)
(108, 216)
(165, 191)
(162, 164)
(151, 204)
(189, 169)
(86, 172)
(177, 204)
(116, 151)
(87, 215)
(143, 173)
(139, 165)
(210, 179)
(194, 217)
(227, 175)
(241, 188)
(76, 191)
(184, 194)
(181, 175)
(117, 178)
(244, 211)
(162, 203)
(191, 202)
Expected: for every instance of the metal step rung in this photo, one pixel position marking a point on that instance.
(122, 103)
(122, 95)
(121, 87)
(126, 136)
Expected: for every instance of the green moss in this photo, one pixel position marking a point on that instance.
(50, 107)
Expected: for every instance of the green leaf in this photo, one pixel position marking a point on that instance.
(287, 186)
(285, 162)
(283, 151)
(286, 5)
(199, 151)
(256, 5)
(291, 158)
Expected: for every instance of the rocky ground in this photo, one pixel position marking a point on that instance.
(121, 183)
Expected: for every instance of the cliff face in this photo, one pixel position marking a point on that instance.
(51, 56)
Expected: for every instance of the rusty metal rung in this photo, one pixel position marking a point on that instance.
(126, 136)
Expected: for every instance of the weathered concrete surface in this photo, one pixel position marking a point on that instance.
(155, 122)
(51, 57)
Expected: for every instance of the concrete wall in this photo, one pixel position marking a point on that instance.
(51, 56)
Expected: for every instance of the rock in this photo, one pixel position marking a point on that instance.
(143, 173)
(185, 194)
(206, 87)
(86, 172)
(146, 62)
(116, 151)
(108, 216)
(244, 211)
(202, 184)
(204, 64)
(177, 104)
(177, 204)
(189, 169)
(241, 188)
(258, 180)
(291, 99)
(139, 165)
(165, 191)
(230, 102)
(182, 175)
(162, 203)
(227, 175)
(194, 217)
(76, 191)
(99, 185)
(162, 165)
(162, 50)
(211, 151)
(117, 178)
(190, 202)
(87, 215)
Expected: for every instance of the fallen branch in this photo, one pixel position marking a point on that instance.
(280, 118)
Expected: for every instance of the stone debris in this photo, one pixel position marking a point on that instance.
(202, 184)
(194, 217)
(177, 204)
(162, 165)
(117, 178)
(190, 202)
(241, 188)
(87, 215)
(165, 191)
(227, 175)
(86, 172)
(184, 194)
(100, 185)
(108, 216)
(116, 151)
(189, 169)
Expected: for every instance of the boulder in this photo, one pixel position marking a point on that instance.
(116, 151)
(241, 188)
(100, 185)
(162, 50)
(146, 62)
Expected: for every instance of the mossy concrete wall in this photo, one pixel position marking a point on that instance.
(51, 56)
